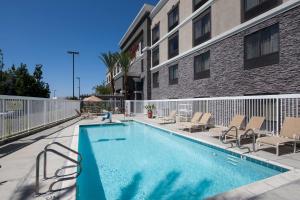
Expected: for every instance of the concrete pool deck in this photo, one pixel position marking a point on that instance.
(17, 175)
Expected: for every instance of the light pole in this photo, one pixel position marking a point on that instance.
(54, 91)
(73, 53)
(78, 87)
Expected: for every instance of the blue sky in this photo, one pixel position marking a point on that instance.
(42, 31)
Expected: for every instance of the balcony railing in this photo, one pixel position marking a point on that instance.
(21, 114)
(273, 107)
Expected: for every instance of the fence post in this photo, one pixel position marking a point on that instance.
(28, 115)
(44, 112)
(277, 116)
(134, 107)
(3, 120)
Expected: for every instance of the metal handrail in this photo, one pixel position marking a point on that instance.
(61, 145)
(251, 131)
(226, 132)
(44, 152)
(238, 138)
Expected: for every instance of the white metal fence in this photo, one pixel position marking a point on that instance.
(20, 114)
(98, 107)
(273, 107)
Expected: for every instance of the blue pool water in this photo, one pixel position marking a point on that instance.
(137, 161)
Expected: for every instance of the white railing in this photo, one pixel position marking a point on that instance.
(99, 107)
(273, 107)
(21, 114)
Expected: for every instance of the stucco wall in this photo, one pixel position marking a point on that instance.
(225, 15)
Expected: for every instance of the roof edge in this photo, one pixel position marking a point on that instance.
(144, 9)
(157, 8)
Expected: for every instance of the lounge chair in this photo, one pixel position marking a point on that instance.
(289, 134)
(194, 121)
(82, 115)
(202, 124)
(252, 127)
(170, 119)
(236, 123)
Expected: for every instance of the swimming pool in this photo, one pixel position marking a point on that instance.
(137, 161)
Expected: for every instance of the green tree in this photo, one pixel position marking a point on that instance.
(18, 81)
(124, 62)
(109, 60)
(102, 89)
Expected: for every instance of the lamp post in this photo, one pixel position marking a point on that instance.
(73, 53)
(54, 95)
(78, 87)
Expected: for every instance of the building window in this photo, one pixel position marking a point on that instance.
(142, 65)
(202, 66)
(262, 47)
(155, 56)
(155, 79)
(173, 74)
(253, 8)
(173, 45)
(155, 33)
(202, 28)
(173, 17)
(198, 3)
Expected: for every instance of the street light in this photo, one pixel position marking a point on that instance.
(73, 53)
(54, 95)
(78, 87)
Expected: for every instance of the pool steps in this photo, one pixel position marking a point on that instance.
(232, 160)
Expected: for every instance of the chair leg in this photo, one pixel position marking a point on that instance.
(277, 150)
(295, 147)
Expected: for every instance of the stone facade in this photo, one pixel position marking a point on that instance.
(227, 74)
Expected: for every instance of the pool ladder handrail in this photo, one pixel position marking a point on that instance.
(44, 152)
(238, 138)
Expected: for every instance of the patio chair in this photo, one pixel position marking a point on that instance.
(236, 122)
(82, 115)
(289, 134)
(202, 124)
(194, 121)
(170, 119)
(234, 134)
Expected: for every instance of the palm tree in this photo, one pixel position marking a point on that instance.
(124, 62)
(109, 60)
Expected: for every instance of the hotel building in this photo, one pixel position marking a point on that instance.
(209, 48)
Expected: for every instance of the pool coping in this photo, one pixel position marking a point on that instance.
(243, 192)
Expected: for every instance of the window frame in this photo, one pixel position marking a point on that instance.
(155, 84)
(142, 65)
(257, 10)
(170, 39)
(172, 80)
(157, 26)
(262, 60)
(154, 50)
(175, 7)
(199, 5)
(202, 74)
(207, 36)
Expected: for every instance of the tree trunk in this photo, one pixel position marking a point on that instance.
(125, 86)
(112, 83)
